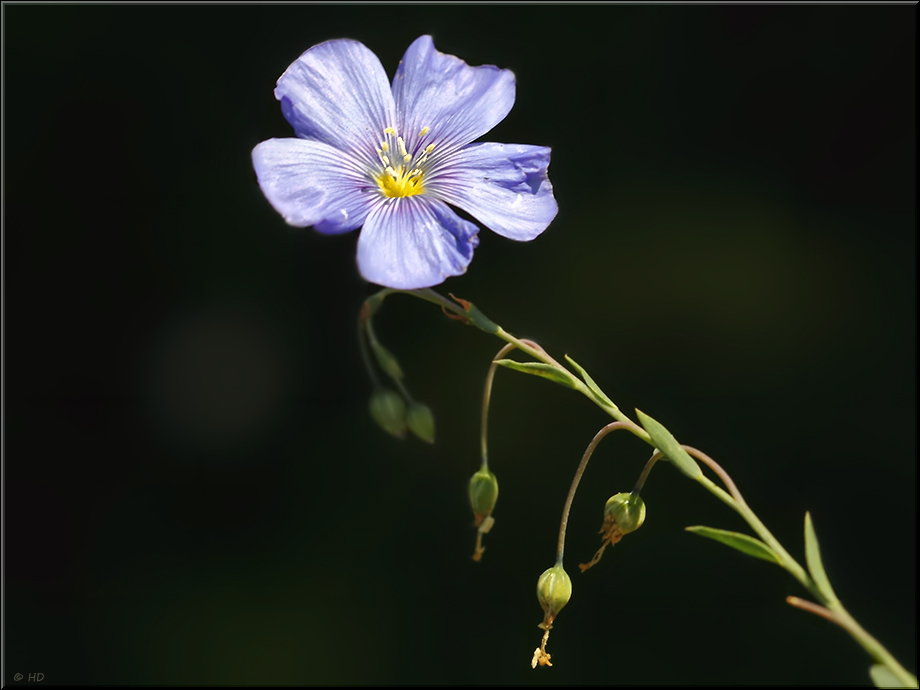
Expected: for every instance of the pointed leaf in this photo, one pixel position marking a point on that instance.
(386, 360)
(882, 677)
(739, 542)
(481, 321)
(815, 565)
(669, 447)
(384, 357)
(588, 380)
(547, 371)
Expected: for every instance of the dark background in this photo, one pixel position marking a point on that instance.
(194, 490)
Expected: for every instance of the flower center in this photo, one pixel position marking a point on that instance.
(402, 172)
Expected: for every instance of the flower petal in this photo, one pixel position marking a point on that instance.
(458, 103)
(504, 186)
(337, 92)
(414, 242)
(311, 183)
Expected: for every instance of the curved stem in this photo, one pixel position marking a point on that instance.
(717, 468)
(640, 482)
(365, 357)
(539, 354)
(737, 502)
(613, 426)
(733, 497)
(486, 396)
(742, 508)
(466, 313)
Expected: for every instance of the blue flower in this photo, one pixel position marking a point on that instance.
(390, 159)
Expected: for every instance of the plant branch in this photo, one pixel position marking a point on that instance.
(467, 312)
(589, 451)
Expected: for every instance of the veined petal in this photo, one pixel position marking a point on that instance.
(414, 242)
(337, 92)
(458, 103)
(504, 186)
(312, 183)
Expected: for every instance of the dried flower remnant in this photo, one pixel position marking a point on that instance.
(554, 589)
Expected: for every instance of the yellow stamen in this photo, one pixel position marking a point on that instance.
(401, 177)
(400, 182)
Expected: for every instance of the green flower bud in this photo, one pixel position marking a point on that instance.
(626, 511)
(483, 494)
(389, 411)
(554, 589)
(421, 421)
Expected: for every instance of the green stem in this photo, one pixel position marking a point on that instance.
(486, 397)
(737, 502)
(835, 611)
(875, 648)
(589, 451)
(640, 482)
(365, 356)
(732, 498)
(476, 318)
(539, 354)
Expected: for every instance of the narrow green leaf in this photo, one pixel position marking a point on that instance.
(481, 321)
(547, 371)
(588, 380)
(669, 447)
(384, 357)
(740, 542)
(815, 565)
(882, 677)
(386, 360)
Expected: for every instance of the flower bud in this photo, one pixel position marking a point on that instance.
(389, 411)
(483, 494)
(626, 511)
(554, 589)
(421, 421)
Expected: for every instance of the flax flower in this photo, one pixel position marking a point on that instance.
(388, 159)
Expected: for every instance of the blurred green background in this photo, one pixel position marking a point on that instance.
(194, 490)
